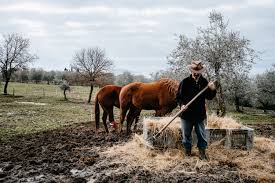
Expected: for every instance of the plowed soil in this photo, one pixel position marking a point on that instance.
(74, 154)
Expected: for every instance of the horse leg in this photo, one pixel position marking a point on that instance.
(111, 117)
(162, 112)
(136, 121)
(129, 120)
(158, 113)
(132, 115)
(123, 111)
(104, 118)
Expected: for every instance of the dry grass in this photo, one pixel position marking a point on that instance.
(213, 121)
(222, 123)
(170, 136)
(134, 153)
(259, 162)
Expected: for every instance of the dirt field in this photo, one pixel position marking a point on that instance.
(74, 154)
(267, 130)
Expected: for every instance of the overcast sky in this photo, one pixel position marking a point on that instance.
(136, 35)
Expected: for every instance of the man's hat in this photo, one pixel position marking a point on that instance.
(196, 66)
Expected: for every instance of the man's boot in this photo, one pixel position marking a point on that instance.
(202, 154)
(187, 152)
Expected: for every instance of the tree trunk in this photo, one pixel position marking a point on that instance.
(6, 87)
(237, 104)
(65, 97)
(221, 110)
(265, 107)
(91, 91)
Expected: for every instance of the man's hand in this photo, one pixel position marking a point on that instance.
(211, 85)
(183, 106)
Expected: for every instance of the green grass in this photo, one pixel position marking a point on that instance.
(252, 116)
(44, 90)
(19, 118)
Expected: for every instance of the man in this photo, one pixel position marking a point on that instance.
(195, 114)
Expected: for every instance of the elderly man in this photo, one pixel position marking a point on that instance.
(195, 114)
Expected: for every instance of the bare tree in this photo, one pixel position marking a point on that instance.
(65, 87)
(92, 63)
(14, 54)
(223, 51)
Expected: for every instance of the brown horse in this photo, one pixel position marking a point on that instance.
(107, 97)
(159, 96)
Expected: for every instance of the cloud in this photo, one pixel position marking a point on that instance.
(83, 25)
(132, 32)
(30, 27)
(261, 3)
(46, 8)
(51, 8)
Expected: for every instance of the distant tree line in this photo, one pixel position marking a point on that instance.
(74, 78)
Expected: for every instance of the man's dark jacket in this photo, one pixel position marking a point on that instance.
(188, 89)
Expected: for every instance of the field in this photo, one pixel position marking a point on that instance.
(44, 138)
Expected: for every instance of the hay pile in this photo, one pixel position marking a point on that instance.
(135, 154)
(259, 162)
(227, 122)
(213, 121)
(170, 137)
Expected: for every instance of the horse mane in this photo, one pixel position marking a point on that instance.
(170, 84)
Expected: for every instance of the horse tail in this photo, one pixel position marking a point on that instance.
(97, 112)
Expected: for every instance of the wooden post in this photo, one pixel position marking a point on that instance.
(228, 138)
(43, 92)
(249, 139)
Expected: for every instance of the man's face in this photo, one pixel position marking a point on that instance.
(196, 75)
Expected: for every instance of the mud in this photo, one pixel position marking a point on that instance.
(73, 154)
(267, 130)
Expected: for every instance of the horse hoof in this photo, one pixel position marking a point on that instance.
(128, 133)
(114, 124)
